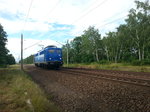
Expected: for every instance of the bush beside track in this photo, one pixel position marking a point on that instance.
(112, 66)
(19, 93)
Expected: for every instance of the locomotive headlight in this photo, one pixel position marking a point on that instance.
(50, 58)
(60, 58)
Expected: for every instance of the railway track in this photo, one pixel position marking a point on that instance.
(118, 76)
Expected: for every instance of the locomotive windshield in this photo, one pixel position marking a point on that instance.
(51, 51)
(56, 51)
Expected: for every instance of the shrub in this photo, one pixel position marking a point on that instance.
(145, 62)
(136, 62)
(104, 62)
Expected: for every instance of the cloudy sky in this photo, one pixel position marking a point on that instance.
(47, 22)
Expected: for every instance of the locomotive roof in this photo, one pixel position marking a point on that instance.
(50, 46)
(53, 46)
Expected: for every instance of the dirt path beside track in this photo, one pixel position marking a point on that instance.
(78, 93)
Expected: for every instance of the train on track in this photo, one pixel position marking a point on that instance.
(49, 57)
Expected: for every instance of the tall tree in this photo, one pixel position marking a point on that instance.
(139, 24)
(112, 46)
(130, 42)
(126, 52)
(76, 48)
(91, 43)
(3, 50)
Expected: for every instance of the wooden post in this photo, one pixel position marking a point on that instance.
(21, 51)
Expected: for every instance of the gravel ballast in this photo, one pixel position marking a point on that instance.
(76, 93)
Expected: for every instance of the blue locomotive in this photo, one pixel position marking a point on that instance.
(50, 56)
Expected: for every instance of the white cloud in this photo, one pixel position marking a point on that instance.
(66, 12)
(78, 13)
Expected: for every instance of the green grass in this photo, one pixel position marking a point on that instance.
(112, 66)
(18, 93)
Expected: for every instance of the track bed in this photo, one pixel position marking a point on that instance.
(86, 90)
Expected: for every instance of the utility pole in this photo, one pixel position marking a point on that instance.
(21, 51)
(67, 54)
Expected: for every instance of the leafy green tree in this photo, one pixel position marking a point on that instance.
(126, 52)
(139, 24)
(3, 50)
(10, 59)
(130, 42)
(91, 41)
(112, 46)
(84, 48)
(70, 55)
(76, 49)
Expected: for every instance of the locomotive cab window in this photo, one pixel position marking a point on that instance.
(51, 51)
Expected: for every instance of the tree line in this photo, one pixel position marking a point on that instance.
(28, 60)
(130, 43)
(5, 57)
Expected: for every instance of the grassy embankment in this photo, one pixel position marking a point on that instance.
(113, 66)
(18, 93)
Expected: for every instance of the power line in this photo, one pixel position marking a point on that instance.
(119, 13)
(54, 7)
(91, 5)
(89, 11)
(112, 21)
(22, 34)
(32, 45)
(27, 15)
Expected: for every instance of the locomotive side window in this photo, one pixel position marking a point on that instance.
(51, 51)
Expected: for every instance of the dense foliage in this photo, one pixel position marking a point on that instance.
(130, 43)
(5, 58)
(28, 60)
(10, 59)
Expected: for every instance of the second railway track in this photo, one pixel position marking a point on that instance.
(107, 75)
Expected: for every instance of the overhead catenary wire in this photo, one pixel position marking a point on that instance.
(32, 45)
(107, 23)
(26, 18)
(91, 5)
(59, 1)
(89, 11)
(22, 33)
(119, 13)
(112, 21)
(115, 21)
(53, 8)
